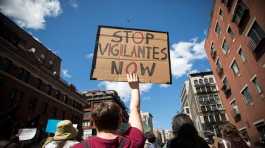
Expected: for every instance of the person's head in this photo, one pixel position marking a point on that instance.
(150, 137)
(107, 117)
(229, 130)
(65, 130)
(182, 125)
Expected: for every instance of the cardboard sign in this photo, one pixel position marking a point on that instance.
(119, 51)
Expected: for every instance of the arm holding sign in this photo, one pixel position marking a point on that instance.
(135, 117)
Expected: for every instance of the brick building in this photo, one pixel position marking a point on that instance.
(200, 100)
(31, 90)
(93, 98)
(235, 47)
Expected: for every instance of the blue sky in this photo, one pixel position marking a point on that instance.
(68, 27)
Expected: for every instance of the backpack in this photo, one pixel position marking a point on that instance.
(121, 143)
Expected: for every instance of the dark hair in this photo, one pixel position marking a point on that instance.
(150, 137)
(229, 130)
(107, 116)
(183, 125)
(185, 134)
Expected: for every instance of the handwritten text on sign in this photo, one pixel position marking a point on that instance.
(120, 51)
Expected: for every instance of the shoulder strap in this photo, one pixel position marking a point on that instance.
(85, 144)
(121, 142)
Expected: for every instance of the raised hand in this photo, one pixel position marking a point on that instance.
(133, 81)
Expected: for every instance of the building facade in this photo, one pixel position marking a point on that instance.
(235, 47)
(31, 89)
(200, 100)
(147, 120)
(93, 98)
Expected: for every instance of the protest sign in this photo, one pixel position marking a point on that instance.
(26, 133)
(119, 51)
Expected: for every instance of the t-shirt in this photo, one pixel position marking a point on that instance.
(133, 138)
(66, 144)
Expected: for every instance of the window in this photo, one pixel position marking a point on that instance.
(87, 133)
(223, 117)
(211, 80)
(213, 88)
(208, 108)
(256, 33)
(219, 106)
(218, 63)
(198, 89)
(219, 67)
(235, 107)
(228, 3)
(195, 82)
(211, 118)
(241, 16)
(218, 28)
(50, 64)
(260, 128)
(187, 110)
(257, 86)
(241, 54)
(225, 46)
(230, 32)
(216, 116)
(200, 99)
(216, 97)
(244, 133)
(214, 107)
(213, 51)
(206, 80)
(221, 13)
(246, 95)
(235, 68)
(206, 119)
(200, 81)
(203, 108)
(226, 87)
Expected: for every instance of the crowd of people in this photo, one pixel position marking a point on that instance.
(107, 119)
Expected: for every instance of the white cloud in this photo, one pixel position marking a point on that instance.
(165, 85)
(123, 88)
(73, 3)
(65, 73)
(183, 54)
(30, 13)
(89, 55)
(193, 71)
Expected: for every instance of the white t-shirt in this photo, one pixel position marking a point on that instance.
(67, 144)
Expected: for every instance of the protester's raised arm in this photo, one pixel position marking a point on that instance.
(135, 117)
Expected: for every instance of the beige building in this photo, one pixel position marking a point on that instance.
(199, 99)
(147, 119)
